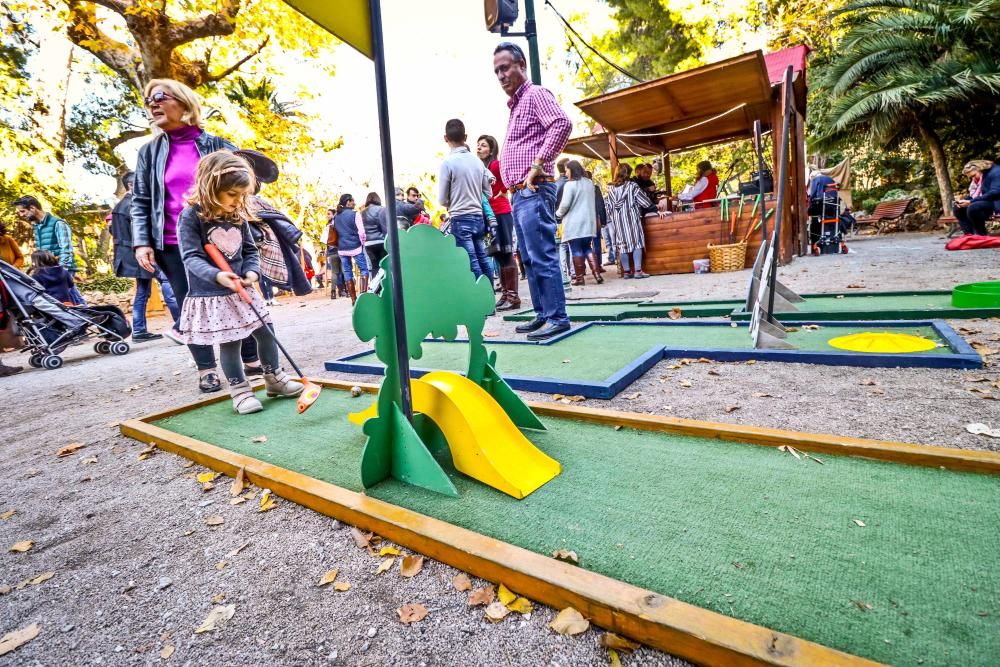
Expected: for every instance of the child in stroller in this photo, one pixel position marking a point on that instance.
(49, 327)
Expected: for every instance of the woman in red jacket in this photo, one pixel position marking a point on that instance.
(705, 188)
(502, 248)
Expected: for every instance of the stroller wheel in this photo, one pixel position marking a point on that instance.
(119, 348)
(35, 361)
(102, 347)
(52, 362)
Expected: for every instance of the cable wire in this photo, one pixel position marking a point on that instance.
(587, 44)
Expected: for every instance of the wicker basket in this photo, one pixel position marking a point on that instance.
(728, 257)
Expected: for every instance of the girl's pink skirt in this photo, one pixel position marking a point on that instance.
(210, 320)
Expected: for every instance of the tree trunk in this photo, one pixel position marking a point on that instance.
(940, 161)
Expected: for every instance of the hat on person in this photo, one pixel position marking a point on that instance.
(264, 168)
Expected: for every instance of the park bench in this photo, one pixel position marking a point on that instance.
(886, 213)
(952, 222)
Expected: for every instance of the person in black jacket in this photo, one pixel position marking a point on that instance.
(125, 266)
(984, 197)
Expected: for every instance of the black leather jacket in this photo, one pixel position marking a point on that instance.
(148, 194)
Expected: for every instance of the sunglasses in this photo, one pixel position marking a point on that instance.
(158, 97)
(514, 49)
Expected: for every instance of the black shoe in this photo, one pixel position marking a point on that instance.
(548, 331)
(9, 370)
(534, 325)
(253, 371)
(143, 336)
(209, 383)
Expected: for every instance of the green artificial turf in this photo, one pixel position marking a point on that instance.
(598, 352)
(743, 530)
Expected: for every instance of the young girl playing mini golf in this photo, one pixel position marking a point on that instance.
(213, 312)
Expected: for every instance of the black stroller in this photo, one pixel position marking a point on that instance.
(48, 327)
(827, 226)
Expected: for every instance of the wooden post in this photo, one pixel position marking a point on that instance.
(665, 160)
(799, 204)
(613, 153)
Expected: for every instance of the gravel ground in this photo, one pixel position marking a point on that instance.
(136, 567)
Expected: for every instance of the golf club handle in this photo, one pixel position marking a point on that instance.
(220, 261)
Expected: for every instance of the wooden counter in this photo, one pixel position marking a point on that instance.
(674, 242)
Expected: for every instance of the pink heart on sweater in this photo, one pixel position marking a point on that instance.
(227, 239)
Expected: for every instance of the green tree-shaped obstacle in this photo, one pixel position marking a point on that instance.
(439, 294)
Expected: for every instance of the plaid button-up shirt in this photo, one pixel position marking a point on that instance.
(538, 129)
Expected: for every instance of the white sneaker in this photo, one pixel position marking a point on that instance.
(172, 335)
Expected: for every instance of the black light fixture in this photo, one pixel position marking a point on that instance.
(500, 14)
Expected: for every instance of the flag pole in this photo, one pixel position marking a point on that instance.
(396, 284)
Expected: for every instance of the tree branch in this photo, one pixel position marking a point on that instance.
(239, 63)
(220, 24)
(83, 32)
(117, 6)
(127, 135)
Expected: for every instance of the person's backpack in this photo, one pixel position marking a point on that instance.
(331, 235)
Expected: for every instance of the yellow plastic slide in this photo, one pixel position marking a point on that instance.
(485, 444)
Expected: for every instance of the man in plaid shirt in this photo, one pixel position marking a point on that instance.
(51, 234)
(536, 134)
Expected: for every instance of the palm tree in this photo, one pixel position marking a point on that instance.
(905, 62)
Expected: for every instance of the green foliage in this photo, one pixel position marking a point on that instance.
(107, 283)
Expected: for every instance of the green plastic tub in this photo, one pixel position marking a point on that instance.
(976, 295)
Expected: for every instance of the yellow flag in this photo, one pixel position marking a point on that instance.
(347, 19)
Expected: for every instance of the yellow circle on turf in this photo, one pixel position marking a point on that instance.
(883, 343)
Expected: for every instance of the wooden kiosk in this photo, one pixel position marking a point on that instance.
(714, 104)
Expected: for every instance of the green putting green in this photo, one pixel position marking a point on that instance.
(599, 352)
(818, 307)
(744, 530)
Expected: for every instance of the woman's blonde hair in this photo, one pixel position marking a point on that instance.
(981, 165)
(220, 172)
(187, 97)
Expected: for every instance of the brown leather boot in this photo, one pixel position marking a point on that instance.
(350, 292)
(579, 271)
(363, 287)
(595, 268)
(504, 280)
(512, 294)
(621, 270)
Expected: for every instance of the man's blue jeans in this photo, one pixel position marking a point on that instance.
(469, 232)
(535, 222)
(143, 288)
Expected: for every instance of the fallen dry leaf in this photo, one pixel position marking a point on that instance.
(810, 327)
(868, 382)
(44, 576)
(411, 566)
(712, 371)
(859, 523)
(612, 641)
(520, 605)
(221, 565)
(982, 429)
(385, 565)
(632, 397)
(149, 451)
(388, 551)
(214, 520)
(237, 501)
(267, 501)
(216, 618)
(685, 383)
(18, 638)
(675, 313)
(239, 482)
(167, 651)
(8, 514)
(490, 334)
(618, 427)
(613, 659)
(863, 606)
(567, 361)
(566, 556)
(259, 439)
(328, 577)
(238, 549)
(751, 362)
(22, 546)
(341, 586)
(361, 540)
(496, 612)
(732, 408)
(412, 613)
(461, 582)
(855, 286)
(218, 598)
(975, 378)
(505, 596)
(569, 622)
(88, 460)
(69, 449)
(482, 596)
(206, 477)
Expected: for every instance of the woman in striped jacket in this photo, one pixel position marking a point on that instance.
(624, 202)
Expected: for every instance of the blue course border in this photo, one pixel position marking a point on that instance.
(964, 356)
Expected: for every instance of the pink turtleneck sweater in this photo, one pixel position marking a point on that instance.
(178, 177)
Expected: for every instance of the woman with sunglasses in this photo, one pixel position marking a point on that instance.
(164, 174)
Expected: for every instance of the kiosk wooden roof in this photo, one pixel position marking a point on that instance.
(708, 105)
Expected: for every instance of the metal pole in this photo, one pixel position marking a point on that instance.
(780, 185)
(531, 32)
(759, 145)
(396, 284)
